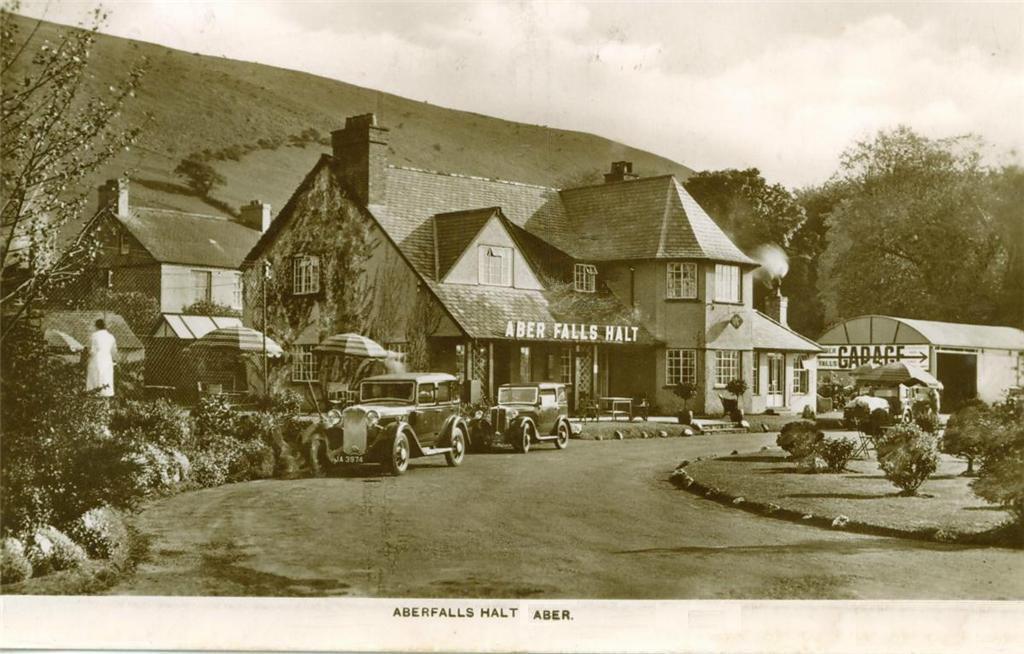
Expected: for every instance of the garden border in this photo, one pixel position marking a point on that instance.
(1000, 536)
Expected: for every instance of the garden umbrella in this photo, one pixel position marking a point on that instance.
(900, 372)
(353, 345)
(58, 340)
(238, 339)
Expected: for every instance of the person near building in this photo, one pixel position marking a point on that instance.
(99, 375)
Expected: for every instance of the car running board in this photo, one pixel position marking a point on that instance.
(547, 438)
(430, 451)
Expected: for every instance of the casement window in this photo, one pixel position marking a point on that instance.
(525, 367)
(680, 367)
(304, 364)
(495, 265)
(305, 275)
(236, 293)
(727, 367)
(585, 277)
(565, 366)
(757, 373)
(727, 283)
(682, 281)
(801, 376)
(122, 244)
(202, 286)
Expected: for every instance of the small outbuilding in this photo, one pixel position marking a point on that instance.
(971, 361)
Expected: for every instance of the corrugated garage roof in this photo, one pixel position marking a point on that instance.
(891, 329)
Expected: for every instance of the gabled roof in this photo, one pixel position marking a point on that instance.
(771, 335)
(454, 231)
(81, 324)
(646, 218)
(190, 238)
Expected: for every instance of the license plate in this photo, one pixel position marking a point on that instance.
(352, 458)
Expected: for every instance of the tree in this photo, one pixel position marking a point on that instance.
(966, 431)
(913, 234)
(54, 135)
(200, 176)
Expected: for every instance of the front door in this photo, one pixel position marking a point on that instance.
(776, 380)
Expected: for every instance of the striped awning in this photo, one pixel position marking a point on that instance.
(239, 339)
(353, 345)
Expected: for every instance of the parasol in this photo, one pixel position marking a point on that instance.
(238, 339)
(900, 372)
(353, 345)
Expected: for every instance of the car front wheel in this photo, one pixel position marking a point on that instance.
(562, 441)
(522, 443)
(458, 445)
(398, 462)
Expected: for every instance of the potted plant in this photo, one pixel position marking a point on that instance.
(737, 387)
(686, 391)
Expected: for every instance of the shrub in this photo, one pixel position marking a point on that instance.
(157, 421)
(876, 423)
(798, 438)
(159, 469)
(14, 563)
(213, 417)
(836, 452)
(907, 456)
(807, 413)
(282, 402)
(50, 549)
(1001, 475)
(927, 421)
(966, 431)
(104, 534)
(737, 387)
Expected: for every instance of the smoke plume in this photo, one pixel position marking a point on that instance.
(774, 263)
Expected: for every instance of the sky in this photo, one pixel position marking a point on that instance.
(784, 87)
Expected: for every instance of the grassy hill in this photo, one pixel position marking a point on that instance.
(264, 127)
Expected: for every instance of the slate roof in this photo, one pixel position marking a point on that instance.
(454, 231)
(771, 335)
(81, 324)
(189, 238)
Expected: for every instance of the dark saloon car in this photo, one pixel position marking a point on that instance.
(527, 413)
(398, 417)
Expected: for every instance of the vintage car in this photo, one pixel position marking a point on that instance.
(527, 413)
(398, 417)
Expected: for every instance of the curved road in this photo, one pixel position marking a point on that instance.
(599, 521)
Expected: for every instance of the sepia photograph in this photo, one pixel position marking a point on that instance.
(586, 325)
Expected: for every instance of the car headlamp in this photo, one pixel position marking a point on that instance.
(511, 414)
(372, 418)
(478, 414)
(332, 418)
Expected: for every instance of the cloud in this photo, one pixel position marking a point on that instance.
(783, 88)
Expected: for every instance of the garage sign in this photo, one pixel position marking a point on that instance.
(848, 357)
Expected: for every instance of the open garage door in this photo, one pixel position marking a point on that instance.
(958, 373)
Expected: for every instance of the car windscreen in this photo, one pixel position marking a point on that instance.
(527, 395)
(396, 391)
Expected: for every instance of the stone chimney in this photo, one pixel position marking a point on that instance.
(360, 157)
(255, 215)
(776, 305)
(114, 194)
(621, 171)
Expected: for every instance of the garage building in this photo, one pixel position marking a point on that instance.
(971, 361)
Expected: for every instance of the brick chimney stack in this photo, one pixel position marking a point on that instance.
(360, 157)
(114, 194)
(776, 306)
(255, 215)
(621, 171)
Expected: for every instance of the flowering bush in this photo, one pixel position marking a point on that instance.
(104, 534)
(157, 421)
(907, 456)
(14, 563)
(50, 549)
(283, 402)
(798, 438)
(159, 469)
(836, 452)
(213, 417)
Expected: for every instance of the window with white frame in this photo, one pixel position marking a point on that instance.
(305, 275)
(682, 281)
(680, 367)
(727, 367)
(757, 373)
(565, 366)
(123, 245)
(201, 289)
(585, 277)
(495, 265)
(304, 364)
(236, 293)
(727, 283)
(801, 375)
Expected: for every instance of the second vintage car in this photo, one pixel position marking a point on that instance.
(527, 413)
(398, 417)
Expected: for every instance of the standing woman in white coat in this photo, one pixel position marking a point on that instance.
(100, 371)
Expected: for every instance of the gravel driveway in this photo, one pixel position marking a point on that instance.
(598, 520)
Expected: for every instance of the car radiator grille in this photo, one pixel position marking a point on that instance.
(498, 419)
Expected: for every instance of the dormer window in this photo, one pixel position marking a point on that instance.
(585, 278)
(305, 275)
(495, 265)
